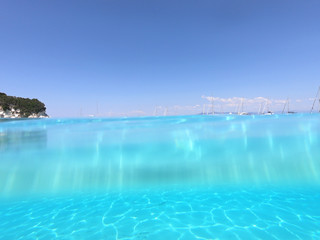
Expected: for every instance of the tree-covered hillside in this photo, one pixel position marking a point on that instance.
(27, 106)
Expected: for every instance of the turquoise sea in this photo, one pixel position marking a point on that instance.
(180, 177)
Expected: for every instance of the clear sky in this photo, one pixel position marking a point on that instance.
(121, 56)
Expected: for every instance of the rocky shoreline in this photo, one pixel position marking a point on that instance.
(16, 113)
(17, 107)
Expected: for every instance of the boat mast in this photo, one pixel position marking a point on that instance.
(239, 107)
(221, 109)
(285, 104)
(236, 110)
(212, 104)
(264, 107)
(242, 105)
(97, 109)
(315, 99)
(260, 108)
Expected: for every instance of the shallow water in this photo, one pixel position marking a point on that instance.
(190, 177)
(184, 214)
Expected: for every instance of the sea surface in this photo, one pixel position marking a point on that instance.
(179, 177)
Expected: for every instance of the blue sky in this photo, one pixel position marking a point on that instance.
(119, 57)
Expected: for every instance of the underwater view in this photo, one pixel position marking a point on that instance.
(173, 177)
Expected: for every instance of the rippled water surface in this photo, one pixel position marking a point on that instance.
(195, 177)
